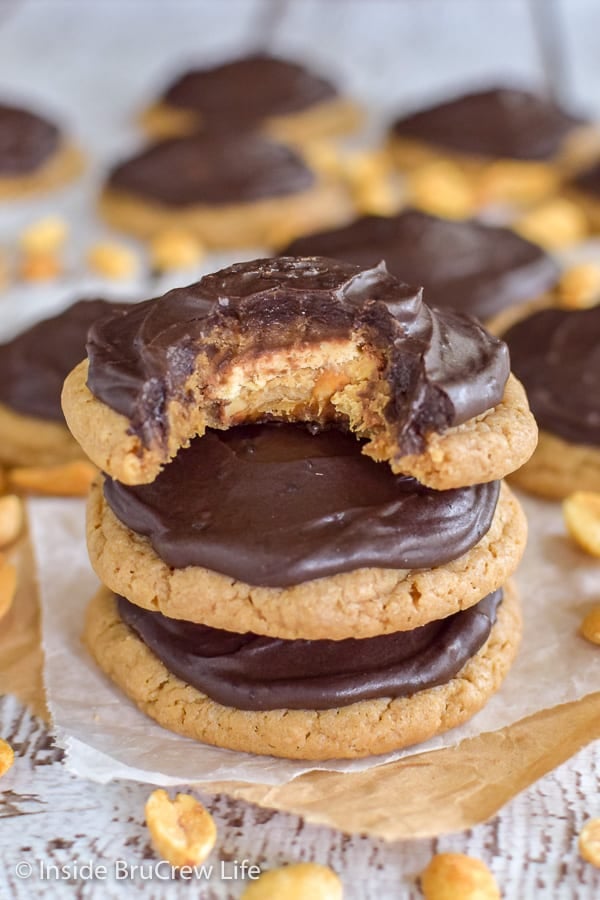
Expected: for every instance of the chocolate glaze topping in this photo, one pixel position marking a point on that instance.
(500, 122)
(473, 268)
(247, 671)
(246, 90)
(214, 170)
(26, 141)
(442, 368)
(275, 505)
(589, 181)
(556, 354)
(34, 365)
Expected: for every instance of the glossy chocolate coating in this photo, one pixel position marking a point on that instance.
(26, 141)
(247, 671)
(212, 170)
(442, 368)
(589, 181)
(247, 90)
(470, 267)
(34, 365)
(275, 505)
(500, 122)
(556, 354)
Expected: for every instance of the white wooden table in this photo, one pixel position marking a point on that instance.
(51, 818)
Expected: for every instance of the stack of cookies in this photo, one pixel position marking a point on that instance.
(301, 528)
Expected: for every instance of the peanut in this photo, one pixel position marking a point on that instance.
(581, 512)
(112, 260)
(64, 480)
(590, 627)
(40, 267)
(579, 286)
(8, 586)
(454, 876)
(554, 224)
(7, 757)
(589, 842)
(46, 236)
(11, 518)
(182, 830)
(175, 249)
(300, 881)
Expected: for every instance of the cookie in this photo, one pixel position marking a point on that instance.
(468, 266)
(298, 339)
(34, 156)
(33, 366)
(503, 144)
(235, 190)
(359, 603)
(371, 726)
(556, 354)
(257, 91)
(585, 190)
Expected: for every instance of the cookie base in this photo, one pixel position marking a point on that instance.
(63, 166)
(558, 468)
(27, 441)
(358, 604)
(370, 727)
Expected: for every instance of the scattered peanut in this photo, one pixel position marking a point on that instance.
(46, 236)
(64, 480)
(175, 249)
(11, 518)
(8, 586)
(40, 267)
(182, 830)
(300, 881)
(590, 627)
(589, 842)
(454, 876)
(579, 286)
(7, 757)
(112, 260)
(553, 225)
(581, 512)
(442, 189)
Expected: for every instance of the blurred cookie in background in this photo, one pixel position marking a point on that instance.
(230, 190)
(284, 98)
(35, 156)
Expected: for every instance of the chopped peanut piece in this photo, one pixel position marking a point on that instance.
(40, 267)
(182, 830)
(7, 757)
(442, 189)
(556, 224)
(300, 881)
(579, 286)
(589, 842)
(11, 519)
(8, 586)
(581, 512)
(454, 876)
(46, 236)
(175, 249)
(112, 260)
(590, 627)
(65, 480)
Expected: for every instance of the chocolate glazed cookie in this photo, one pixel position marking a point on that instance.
(557, 355)
(301, 339)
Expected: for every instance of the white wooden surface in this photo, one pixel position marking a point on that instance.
(48, 816)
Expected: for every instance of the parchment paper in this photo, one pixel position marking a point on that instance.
(106, 736)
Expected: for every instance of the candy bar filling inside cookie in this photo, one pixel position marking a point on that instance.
(470, 267)
(301, 339)
(248, 671)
